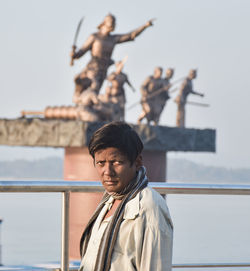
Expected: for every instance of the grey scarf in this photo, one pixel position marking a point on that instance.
(103, 260)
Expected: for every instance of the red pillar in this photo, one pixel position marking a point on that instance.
(78, 165)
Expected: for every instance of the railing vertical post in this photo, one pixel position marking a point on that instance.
(65, 232)
(0, 242)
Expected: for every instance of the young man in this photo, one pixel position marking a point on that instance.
(131, 228)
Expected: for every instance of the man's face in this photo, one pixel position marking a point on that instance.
(114, 169)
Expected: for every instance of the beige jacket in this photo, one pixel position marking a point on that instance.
(145, 238)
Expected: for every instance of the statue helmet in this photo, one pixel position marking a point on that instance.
(157, 71)
(158, 68)
(169, 72)
(193, 73)
(109, 21)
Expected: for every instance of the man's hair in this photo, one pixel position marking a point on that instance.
(117, 135)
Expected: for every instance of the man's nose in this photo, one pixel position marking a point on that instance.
(109, 170)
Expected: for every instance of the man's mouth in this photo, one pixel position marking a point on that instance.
(110, 182)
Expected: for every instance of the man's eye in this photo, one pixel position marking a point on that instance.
(117, 162)
(100, 163)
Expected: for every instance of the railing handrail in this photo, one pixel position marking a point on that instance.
(93, 186)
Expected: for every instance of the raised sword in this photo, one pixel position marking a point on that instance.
(74, 42)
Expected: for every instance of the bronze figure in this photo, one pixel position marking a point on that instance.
(150, 106)
(181, 99)
(163, 95)
(115, 91)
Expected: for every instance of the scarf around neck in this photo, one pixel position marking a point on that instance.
(103, 260)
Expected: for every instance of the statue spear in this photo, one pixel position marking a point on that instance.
(198, 104)
(74, 42)
(157, 93)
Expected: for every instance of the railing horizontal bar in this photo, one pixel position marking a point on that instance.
(191, 265)
(210, 265)
(82, 186)
(201, 265)
(202, 189)
(50, 186)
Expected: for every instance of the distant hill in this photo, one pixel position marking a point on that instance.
(48, 168)
(179, 170)
(187, 171)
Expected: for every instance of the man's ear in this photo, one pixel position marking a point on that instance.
(138, 161)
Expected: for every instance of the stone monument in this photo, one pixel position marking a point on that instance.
(70, 127)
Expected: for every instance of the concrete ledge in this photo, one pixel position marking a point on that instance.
(71, 133)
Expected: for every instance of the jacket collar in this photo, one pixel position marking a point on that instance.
(132, 208)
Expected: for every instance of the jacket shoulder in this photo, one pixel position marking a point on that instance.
(154, 207)
(150, 198)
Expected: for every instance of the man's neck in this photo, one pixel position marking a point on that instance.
(113, 208)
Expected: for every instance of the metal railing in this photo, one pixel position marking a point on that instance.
(65, 187)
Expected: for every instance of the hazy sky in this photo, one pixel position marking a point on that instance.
(213, 36)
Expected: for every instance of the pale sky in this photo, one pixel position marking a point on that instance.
(213, 36)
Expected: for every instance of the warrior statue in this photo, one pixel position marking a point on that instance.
(150, 106)
(181, 99)
(163, 96)
(115, 91)
(101, 45)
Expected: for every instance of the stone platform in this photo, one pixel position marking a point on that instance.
(70, 133)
